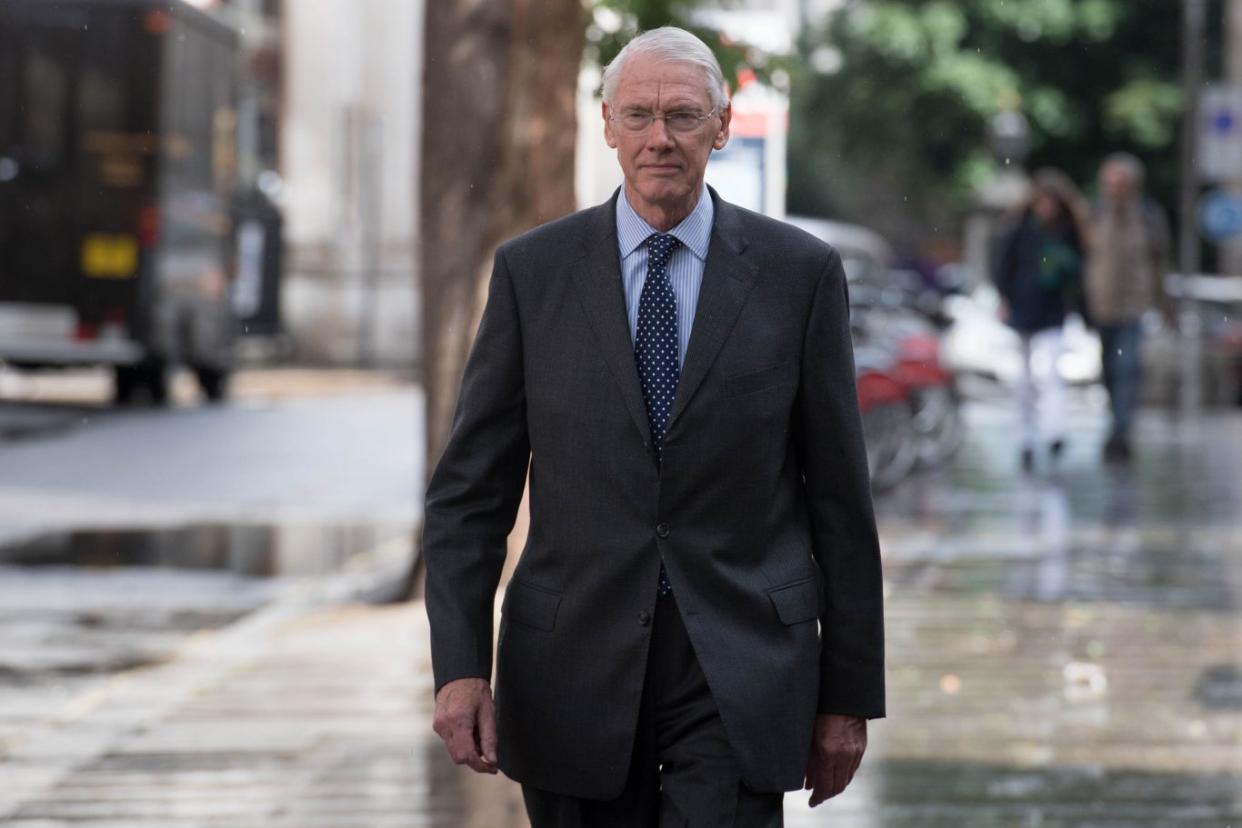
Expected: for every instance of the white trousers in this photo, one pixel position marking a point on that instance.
(1041, 392)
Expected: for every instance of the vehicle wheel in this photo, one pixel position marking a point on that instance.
(892, 450)
(214, 383)
(938, 424)
(125, 380)
(156, 378)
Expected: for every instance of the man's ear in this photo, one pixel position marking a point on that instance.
(722, 136)
(609, 135)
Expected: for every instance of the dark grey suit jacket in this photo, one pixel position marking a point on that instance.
(761, 509)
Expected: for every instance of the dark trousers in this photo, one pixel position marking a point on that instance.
(682, 772)
(1121, 354)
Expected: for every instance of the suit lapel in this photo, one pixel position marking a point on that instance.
(727, 280)
(598, 277)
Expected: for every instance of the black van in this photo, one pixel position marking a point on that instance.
(118, 176)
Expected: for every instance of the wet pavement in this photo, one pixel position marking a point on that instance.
(1065, 649)
(1064, 646)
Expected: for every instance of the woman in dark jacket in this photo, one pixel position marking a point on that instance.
(1039, 276)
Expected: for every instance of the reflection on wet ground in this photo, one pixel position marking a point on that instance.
(244, 549)
(83, 605)
(1065, 647)
(948, 794)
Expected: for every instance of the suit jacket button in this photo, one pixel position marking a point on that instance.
(644, 618)
(662, 530)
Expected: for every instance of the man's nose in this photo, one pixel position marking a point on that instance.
(658, 136)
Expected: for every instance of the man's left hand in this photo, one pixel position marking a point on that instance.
(836, 751)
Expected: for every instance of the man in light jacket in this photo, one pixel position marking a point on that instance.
(1129, 257)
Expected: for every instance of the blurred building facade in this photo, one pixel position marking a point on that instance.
(349, 138)
(329, 129)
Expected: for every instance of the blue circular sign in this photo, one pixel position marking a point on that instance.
(1220, 216)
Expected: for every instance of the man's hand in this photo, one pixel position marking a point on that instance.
(836, 751)
(465, 720)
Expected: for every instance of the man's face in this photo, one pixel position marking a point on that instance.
(1046, 208)
(1118, 183)
(663, 169)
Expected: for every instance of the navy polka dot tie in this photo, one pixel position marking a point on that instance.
(655, 347)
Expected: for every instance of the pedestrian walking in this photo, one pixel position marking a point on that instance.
(1128, 259)
(695, 624)
(1039, 277)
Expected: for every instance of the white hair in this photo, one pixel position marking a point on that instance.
(671, 44)
(1127, 162)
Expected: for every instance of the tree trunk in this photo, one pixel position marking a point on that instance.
(499, 119)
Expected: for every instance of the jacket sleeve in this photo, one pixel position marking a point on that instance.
(474, 493)
(837, 485)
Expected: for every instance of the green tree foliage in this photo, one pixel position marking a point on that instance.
(892, 103)
(615, 22)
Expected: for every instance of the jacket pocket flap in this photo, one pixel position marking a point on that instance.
(796, 602)
(760, 380)
(532, 606)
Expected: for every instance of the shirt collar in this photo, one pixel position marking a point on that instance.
(694, 231)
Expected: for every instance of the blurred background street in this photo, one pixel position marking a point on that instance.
(242, 249)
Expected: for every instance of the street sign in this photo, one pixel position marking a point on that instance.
(1220, 133)
(1220, 216)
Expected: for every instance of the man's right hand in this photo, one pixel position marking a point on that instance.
(465, 720)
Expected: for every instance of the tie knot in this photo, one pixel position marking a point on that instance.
(661, 247)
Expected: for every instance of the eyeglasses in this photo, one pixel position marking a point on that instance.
(681, 122)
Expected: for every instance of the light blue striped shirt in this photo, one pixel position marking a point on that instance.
(685, 268)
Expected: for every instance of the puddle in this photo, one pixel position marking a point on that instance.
(248, 550)
(96, 602)
(944, 793)
(1220, 687)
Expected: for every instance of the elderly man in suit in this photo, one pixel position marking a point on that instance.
(695, 623)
